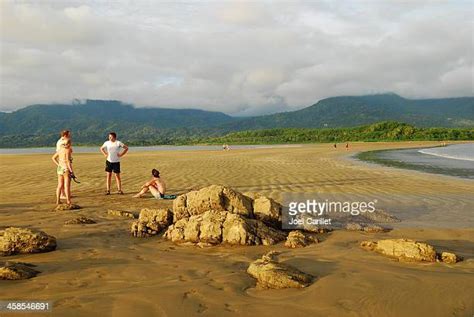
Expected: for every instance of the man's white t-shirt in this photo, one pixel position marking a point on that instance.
(113, 149)
(60, 143)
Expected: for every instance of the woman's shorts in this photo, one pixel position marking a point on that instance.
(61, 170)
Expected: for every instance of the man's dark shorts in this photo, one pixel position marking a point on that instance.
(112, 167)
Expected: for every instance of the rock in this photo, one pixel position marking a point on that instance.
(268, 211)
(213, 197)
(299, 239)
(272, 274)
(215, 227)
(80, 221)
(19, 240)
(369, 228)
(450, 258)
(62, 207)
(402, 249)
(151, 222)
(380, 216)
(17, 271)
(353, 226)
(122, 213)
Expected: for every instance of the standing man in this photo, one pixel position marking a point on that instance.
(112, 150)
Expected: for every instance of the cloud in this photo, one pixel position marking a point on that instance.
(239, 57)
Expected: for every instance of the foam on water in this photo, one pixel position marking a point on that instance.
(464, 152)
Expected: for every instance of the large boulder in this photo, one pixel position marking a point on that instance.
(402, 249)
(272, 274)
(20, 240)
(17, 271)
(215, 227)
(213, 197)
(267, 210)
(151, 222)
(299, 239)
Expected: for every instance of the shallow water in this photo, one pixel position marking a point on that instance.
(454, 160)
(95, 149)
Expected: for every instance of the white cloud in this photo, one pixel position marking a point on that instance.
(238, 57)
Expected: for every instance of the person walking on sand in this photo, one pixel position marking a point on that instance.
(63, 161)
(112, 150)
(347, 146)
(156, 186)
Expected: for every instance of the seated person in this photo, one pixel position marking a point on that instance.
(156, 186)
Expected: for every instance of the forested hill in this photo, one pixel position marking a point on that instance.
(353, 111)
(39, 125)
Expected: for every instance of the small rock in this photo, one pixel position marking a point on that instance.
(20, 240)
(272, 274)
(298, 239)
(80, 221)
(450, 258)
(151, 222)
(402, 249)
(122, 213)
(17, 271)
(62, 207)
(370, 228)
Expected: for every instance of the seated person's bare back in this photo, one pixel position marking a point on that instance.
(156, 186)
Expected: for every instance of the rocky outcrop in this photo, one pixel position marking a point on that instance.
(299, 239)
(214, 197)
(19, 240)
(449, 258)
(17, 271)
(151, 222)
(63, 207)
(402, 249)
(267, 210)
(410, 250)
(122, 213)
(370, 228)
(80, 221)
(272, 274)
(215, 227)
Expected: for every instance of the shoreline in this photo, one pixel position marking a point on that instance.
(415, 160)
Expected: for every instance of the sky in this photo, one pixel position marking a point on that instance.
(239, 57)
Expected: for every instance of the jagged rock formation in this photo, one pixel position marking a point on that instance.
(272, 274)
(19, 240)
(17, 271)
(151, 222)
(299, 239)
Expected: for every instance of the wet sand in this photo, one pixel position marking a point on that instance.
(99, 269)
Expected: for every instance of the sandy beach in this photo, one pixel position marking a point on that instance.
(99, 269)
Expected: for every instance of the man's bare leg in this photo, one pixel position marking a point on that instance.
(109, 181)
(141, 193)
(119, 182)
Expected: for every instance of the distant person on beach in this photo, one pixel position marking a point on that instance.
(335, 145)
(113, 150)
(64, 136)
(156, 186)
(347, 146)
(63, 160)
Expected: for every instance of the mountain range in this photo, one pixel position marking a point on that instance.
(90, 120)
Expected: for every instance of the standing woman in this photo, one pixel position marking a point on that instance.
(63, 161)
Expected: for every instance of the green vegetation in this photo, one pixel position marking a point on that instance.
(326, 121)
(383, 131)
